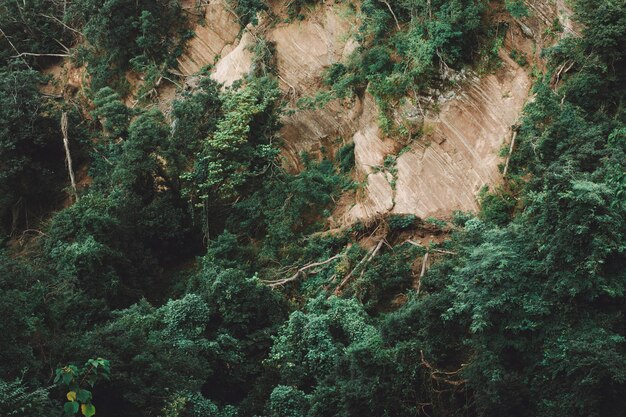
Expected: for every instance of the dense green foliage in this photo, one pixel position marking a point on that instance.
(206, 277)
(409, 50)
(31, 164)
(125, 33)
(32, 27)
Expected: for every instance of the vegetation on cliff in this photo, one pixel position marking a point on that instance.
(189, 274)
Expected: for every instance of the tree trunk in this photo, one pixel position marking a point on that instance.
(68, 156)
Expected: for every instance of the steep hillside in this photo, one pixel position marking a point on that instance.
(272, 208)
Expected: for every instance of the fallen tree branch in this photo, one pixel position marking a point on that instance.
(299, 272)
(414, 243)
(62, 23)
(508, 158)
(562, 70)
(14, 48)
(366, 259)
(392, 13)
(32, 54)
(424, 262)
(51, 95)
(422, 272)
(68, 156)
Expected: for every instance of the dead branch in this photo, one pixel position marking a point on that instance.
(56, 19)
(392, 13)
(26, 232)
(508, 158)
(103, 157)
(292, 90)
(65, 48)
(20, 55)
(414, 243)
(562, 70)
(444, 68)
(422, 272)
(366, 259)
(37, 231)
(198, 9)
(425, 260)
(13, 47)
(424, 263)
(299, 272)
(68, 156)
(51, 95)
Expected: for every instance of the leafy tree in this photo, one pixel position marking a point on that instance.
(334, 362)
(152, 351)
(284, 213)
(195, 115)
(79, 397)
(287, 401)
(240, 149)
(32, 27)
(31, 150)
(19, 299)
(16, 400)
(123, 31)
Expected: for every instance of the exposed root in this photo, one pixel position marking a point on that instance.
(450, 378)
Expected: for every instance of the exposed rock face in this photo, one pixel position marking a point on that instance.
(235, 63)
(303, 50)
(543, 13)
(370, 150)
(216, 36)
(444, 170)
(436, 174)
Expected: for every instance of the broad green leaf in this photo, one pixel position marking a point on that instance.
(83, 395)
(88, 410)
(70, 408)
(67, 378)
(71, 396)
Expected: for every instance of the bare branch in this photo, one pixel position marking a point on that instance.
(414, 243)
(14, 48)
(442, 376)
(32, 54)
(68, 156)
(366, 259)
(299, 272)
(392, 13)
(424, 263)
(62, 23)
(508, 158)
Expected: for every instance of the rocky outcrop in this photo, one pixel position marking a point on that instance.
(434, 175)
(444, 171)
(214, 38)
(303, 50)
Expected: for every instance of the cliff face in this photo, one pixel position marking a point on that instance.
(434, 175)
